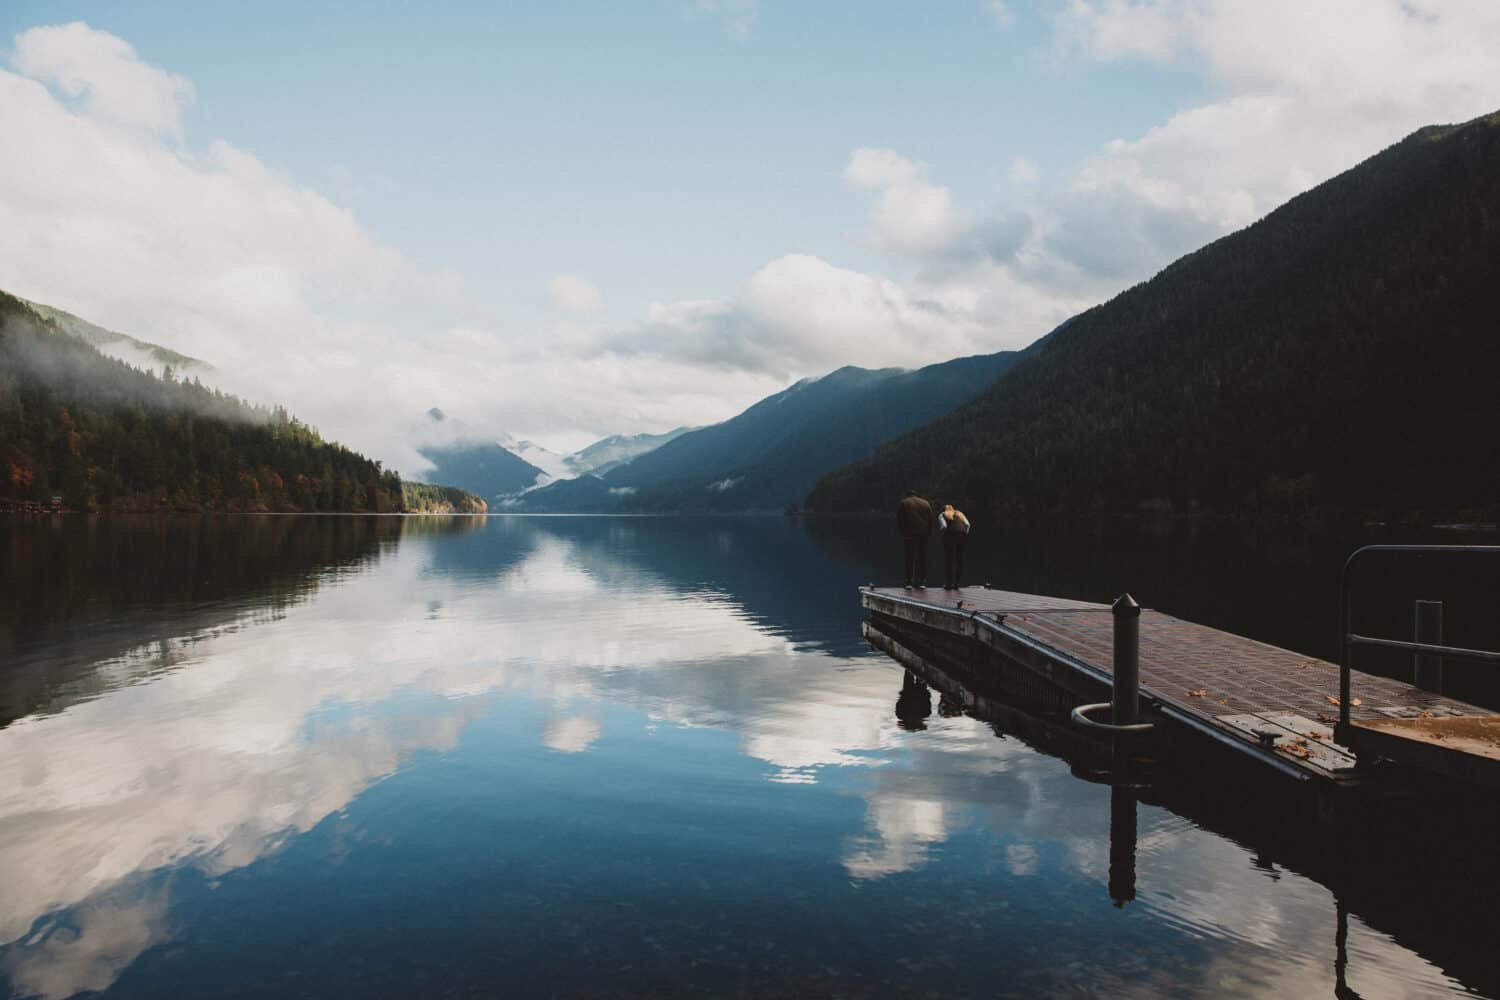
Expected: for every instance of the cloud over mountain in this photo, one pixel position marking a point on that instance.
(115, 210)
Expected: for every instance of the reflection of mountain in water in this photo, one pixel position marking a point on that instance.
(470, 548)
(78, 593)
(770, 567)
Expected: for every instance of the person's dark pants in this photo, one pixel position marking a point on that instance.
(916, 560)
(953, 558)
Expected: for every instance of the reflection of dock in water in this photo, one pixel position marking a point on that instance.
(1275, 707)
(1377, 856)
(963, 693)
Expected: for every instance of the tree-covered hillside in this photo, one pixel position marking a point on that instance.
(103, 435)
(1341, 352)
(422, 498)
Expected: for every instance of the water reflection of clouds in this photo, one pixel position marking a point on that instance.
(88, 952)
(571, 735)
(268, 729)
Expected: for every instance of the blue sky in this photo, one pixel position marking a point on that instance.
(515, 141)
(694, 168)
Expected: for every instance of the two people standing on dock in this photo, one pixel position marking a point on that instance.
(914, 523)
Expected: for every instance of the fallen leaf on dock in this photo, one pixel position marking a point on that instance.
(1318, 736)
(1198, 693)
(1356, 701)
(1327, 719)
(1330, 699)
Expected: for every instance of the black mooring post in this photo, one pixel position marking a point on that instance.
(1127, 681)
(1427, 670)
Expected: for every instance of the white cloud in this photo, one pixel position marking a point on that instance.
(1001, 13)
(911, 214)
(105, 75)
(920, 220)
(573, 294)
(800, 315)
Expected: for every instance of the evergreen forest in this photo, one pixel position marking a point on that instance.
(1339, 354)
(84, 431)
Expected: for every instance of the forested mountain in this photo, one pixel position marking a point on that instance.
(483, 468)
(604, 455)
(1341, 352)
(769, 456)
(100, 434)
(119, 345)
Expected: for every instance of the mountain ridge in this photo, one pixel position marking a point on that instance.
(1333, 353)
(766, 457)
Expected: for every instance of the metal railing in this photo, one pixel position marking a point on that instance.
(1429, 625)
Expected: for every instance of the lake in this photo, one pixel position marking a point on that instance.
(329, 756)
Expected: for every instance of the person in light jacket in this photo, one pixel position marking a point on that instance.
(953, 529)
(914, 525)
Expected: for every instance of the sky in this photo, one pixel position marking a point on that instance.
(561, 221)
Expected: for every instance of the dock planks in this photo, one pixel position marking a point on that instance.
(1231, 687)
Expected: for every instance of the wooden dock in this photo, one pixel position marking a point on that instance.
(1276, 706)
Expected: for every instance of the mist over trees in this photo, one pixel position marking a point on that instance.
(102, 435)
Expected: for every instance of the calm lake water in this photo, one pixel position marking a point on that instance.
(328, 756)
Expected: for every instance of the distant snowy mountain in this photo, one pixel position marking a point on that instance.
(552, 465)
(617, 449)
(505, 466)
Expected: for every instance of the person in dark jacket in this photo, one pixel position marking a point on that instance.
(953, 529)
(914, 524)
